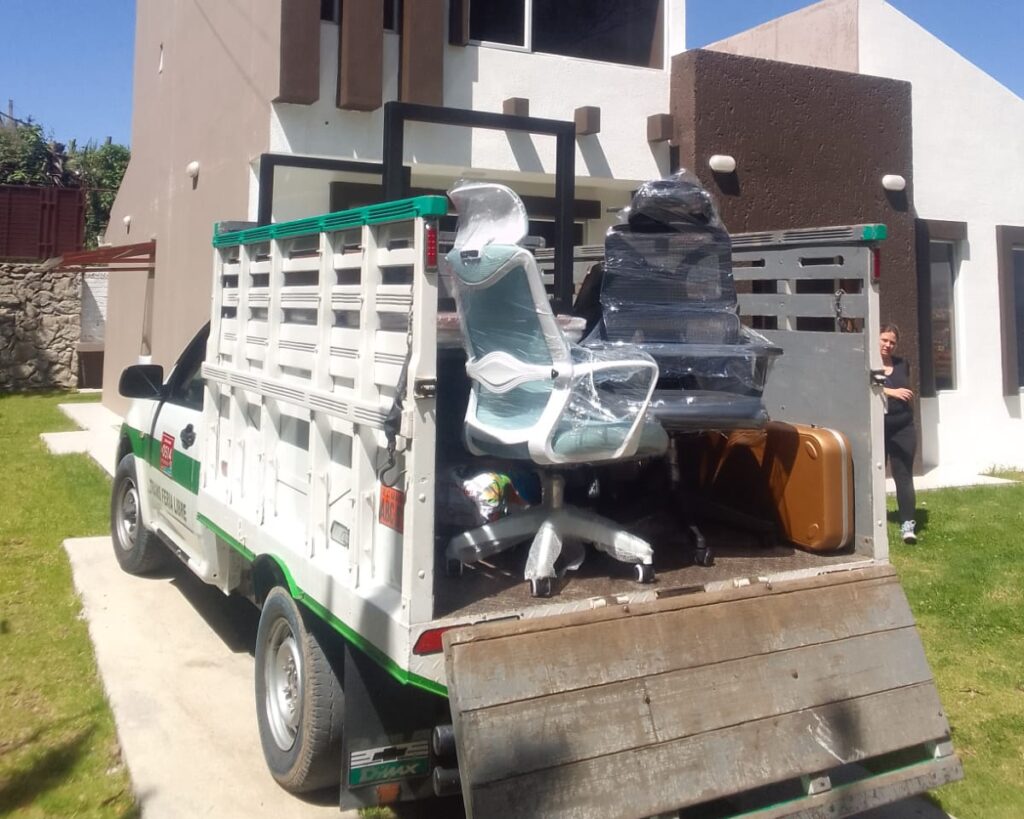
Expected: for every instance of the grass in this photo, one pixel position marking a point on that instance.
(965, 583)
(1009, 473)
(58, 750)
(59, 754)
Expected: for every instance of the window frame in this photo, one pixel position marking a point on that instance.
(1009, 241)
(955, 255)
(186, 369)
(335, 17)
(527, 47)
(1017, 276)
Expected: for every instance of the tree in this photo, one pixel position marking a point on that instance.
(99, 170)
(27, 158)
(24, 155)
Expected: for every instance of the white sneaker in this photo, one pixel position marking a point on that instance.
(907, 531)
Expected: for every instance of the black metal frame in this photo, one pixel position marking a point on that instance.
(396, 175)
(270, 162)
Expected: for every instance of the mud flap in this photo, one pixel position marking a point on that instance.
(810, 697)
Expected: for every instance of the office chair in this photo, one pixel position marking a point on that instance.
(536, 397)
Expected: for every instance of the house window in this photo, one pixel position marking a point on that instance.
(391, 15)
(607, 30)
(330, 11)
(1018, 310)
(943, 265)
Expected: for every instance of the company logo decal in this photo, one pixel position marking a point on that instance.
(166, 452)
(376, 765)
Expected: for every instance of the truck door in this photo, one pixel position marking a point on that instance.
(174, 476)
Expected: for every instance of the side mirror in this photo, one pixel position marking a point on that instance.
(142, 381)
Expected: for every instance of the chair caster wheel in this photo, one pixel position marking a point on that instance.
(704, 557)
(644, 572)
(453, 568)
(540, 587)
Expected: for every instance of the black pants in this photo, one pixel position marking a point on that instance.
(900, 445)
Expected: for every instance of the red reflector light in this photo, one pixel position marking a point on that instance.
(431, 245)
(429, 642)
(876, 265)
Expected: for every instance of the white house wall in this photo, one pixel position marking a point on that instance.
(481, 78)
(968, 137)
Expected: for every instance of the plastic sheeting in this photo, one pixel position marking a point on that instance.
(667, 287)
(535, 395)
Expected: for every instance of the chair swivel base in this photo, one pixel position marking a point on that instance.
(556, 531)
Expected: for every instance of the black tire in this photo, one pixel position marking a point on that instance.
(138, 549)
(300, 703)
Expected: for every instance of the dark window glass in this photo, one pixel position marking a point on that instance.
(391, 15)
(544, 229)
(190, 393)
(186, 382)
(943, 276)
(498, 21)
(329, 10)
(610, 30)
(1018, 309)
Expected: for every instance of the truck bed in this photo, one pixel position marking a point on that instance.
(497, 585)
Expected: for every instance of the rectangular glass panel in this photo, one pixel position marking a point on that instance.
(943, 325)
(498, 21)
(1018, 309)
(391, 15)
(609, 30)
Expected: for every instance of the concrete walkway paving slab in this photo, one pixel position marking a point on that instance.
(97, 438)
(174, 655)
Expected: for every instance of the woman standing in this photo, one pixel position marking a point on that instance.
(900, 436)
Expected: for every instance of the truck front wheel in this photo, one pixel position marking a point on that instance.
(299, 699)
(138, 549)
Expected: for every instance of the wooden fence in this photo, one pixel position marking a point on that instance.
(40, 222)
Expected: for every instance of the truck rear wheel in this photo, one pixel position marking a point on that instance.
(137, 548)
(300, 703)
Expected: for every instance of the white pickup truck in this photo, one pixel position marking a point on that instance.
(275, 461)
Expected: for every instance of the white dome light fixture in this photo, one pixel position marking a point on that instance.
(894, 182)
(722, 163)
(127, 221)
(192, 169)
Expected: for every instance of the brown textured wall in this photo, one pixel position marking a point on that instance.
(811, 147)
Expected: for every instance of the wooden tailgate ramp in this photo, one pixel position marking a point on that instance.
(632, 711)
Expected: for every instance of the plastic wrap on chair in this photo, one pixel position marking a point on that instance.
(668, 288)
(534, 395)
(671, 203)
(607, 393)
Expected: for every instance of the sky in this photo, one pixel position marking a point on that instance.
(68, 63)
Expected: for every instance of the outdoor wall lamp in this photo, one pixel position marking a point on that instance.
(192, 169)
(894, 182)
(127, 222)
(722, 163)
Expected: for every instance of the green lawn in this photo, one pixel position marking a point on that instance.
(58, 752)
(59, 755)
(965, 582)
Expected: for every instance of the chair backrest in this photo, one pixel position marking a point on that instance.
(503, 306)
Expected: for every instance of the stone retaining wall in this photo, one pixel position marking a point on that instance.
(40, 319)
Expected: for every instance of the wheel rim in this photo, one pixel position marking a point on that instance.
(282, 671)
(127, 515)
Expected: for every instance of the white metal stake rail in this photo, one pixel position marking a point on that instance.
(312, 324)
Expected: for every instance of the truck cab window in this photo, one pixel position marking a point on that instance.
(186, 387)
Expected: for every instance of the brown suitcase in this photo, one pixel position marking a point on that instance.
(800, 475)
